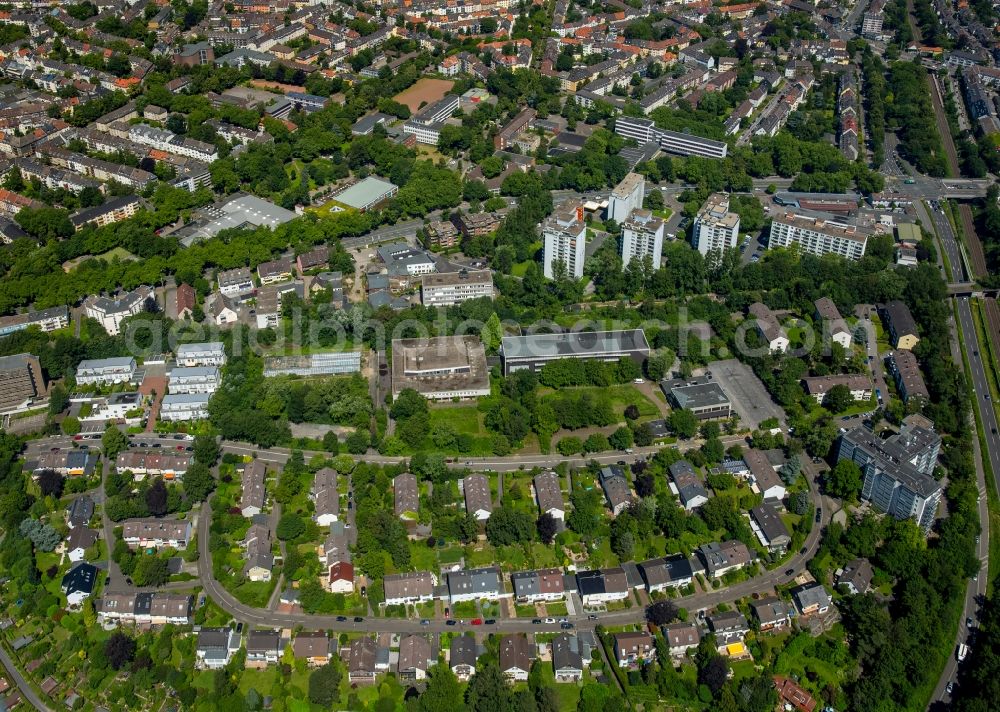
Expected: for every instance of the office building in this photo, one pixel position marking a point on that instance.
(534, 351)
(446, 289)
(426, 125)
(819, 235)
(897, 470)
(645, 131)
(715, 228)
(565, 236)
(642, 237)
(626, 197)
(21, 381)
(441, 368)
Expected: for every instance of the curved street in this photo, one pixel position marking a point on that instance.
(263, 617)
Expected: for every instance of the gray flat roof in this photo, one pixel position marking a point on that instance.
(365, 192)
(580, 344)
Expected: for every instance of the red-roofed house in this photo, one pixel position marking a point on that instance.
(791, 694)
(341, 578)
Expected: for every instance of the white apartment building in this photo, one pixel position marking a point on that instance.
(235, 282)
(565, 237)
(715, 228)
(210, 353)
(112, 312)
(194, 379)
(447, 289)
(819, 236)
(626, 197)
(184, 406)
(642, 235)
(103, 371)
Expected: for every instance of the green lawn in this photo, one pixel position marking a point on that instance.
(621, 396)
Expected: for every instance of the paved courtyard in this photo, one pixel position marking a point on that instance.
(746, 392)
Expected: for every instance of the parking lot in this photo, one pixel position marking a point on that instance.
(747, 394)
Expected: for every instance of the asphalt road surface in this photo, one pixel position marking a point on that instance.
(27, 692)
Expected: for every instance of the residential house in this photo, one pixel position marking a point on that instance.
(252, 499)
(263, 648)
(79, 540)
(478, 500)
(412, 587)
(152, 533)
(548, 494)
(341, 578)
(406, 496)
(674, 571)
(616, 488)
(900, 324)
(602, 586)
(631, 649)
(515, 657)
(462, 656)
(314, 648)
(80, 511)
(688, 485)
(361, 661)
(812, 599)
(769, 329)
(475, 584)
(259, 559)
(833, 324)
(415, 657)
(856, 576)
(215, 647)
(325, 498)
(681, 637)
(728, 627)
(792, 696)
(771, 613)
(78, 583)
(539, 585)
(277, 270)
(769, 484)
(316, 258)
(567, 659)
(720, 559)
(770, 530)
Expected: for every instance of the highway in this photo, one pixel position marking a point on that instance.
(976, 589)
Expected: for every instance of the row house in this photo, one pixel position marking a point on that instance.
(154, 533)
(152, 608)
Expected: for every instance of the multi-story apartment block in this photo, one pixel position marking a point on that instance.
(112, 312)
(184, 406)
(642, 236)
(565, 236)
(194, 379)
(447, 289)
(626, 197)
(819, 236)
(209, 353)
(715, 228)
(897, 470)
(45, 320)
(105, 371)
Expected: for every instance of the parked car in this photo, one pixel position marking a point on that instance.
(490, 621)
(424, 621)
(477, 621)
(450, 622)
(536, 621)
(341, 619)
(359, 619)
(566, 626)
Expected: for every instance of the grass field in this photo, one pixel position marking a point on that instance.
(621, 397)
(115, 253)
(425, 91)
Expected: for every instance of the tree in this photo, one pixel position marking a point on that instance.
(156, 498)
(51, 483)
(508, 526)
(330, 442)
(661, 613)
(198, 482)
(632, 412)
(58, 396)
(596, 442)
(119, 649)
(290, 526)
(683, 423)
(358, 442)
(569, 446)
(113, 441)
(845, 480)
(838, 399)
(547, 528)
(206, 450)
(150, 571)
(70, 425)
(714, 673)
(621, 439)
(324, 683)
(443, 691)
(643, 435)
(488, 691)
